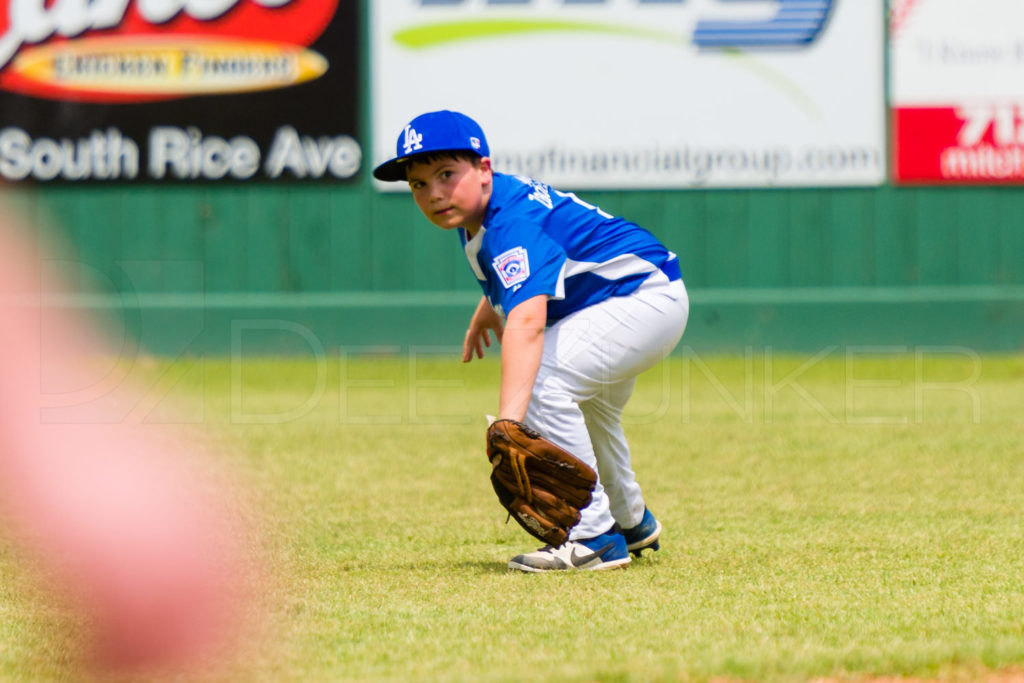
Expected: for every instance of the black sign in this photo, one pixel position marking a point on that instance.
(257, 91)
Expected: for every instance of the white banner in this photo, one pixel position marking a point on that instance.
(644, 93)
(950, 51)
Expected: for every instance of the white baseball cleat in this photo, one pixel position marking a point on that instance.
(607, 551)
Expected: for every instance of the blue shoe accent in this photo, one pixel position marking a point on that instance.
(644, 535)
(606, 551)
(611, 545)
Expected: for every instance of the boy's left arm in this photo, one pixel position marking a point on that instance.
(521, 347)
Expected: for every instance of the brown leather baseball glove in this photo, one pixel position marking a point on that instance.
(542, 486)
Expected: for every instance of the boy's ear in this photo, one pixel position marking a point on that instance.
(484, 164)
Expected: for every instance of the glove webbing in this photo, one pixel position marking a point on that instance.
(518, 467)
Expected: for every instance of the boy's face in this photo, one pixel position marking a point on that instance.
(452, 193)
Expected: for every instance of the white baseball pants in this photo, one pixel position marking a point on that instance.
(589, 366)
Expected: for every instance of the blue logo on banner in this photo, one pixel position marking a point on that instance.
(798, 22)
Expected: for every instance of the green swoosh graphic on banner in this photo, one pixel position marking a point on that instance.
(777, 80)
(437, 34)
(433, 35)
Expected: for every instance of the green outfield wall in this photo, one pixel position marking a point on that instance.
(196, 269)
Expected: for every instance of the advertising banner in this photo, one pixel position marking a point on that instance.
(957, 91)
(179, 90)
(644, 93)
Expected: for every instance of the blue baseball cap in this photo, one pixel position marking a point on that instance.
(436, 131)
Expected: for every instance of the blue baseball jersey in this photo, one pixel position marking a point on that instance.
(536, 240)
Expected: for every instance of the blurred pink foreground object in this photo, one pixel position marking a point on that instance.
(115, 515)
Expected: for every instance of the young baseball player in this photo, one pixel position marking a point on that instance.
(581, 302)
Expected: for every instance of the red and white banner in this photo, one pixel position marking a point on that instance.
(957, 91)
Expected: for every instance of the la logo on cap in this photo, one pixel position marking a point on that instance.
(412, 141)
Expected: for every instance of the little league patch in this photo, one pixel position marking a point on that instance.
(512, 266)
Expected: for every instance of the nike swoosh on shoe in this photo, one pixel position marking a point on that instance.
(580, 561)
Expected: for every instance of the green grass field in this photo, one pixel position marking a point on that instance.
(854, 514)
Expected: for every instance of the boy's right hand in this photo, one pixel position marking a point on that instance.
(485, 319)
